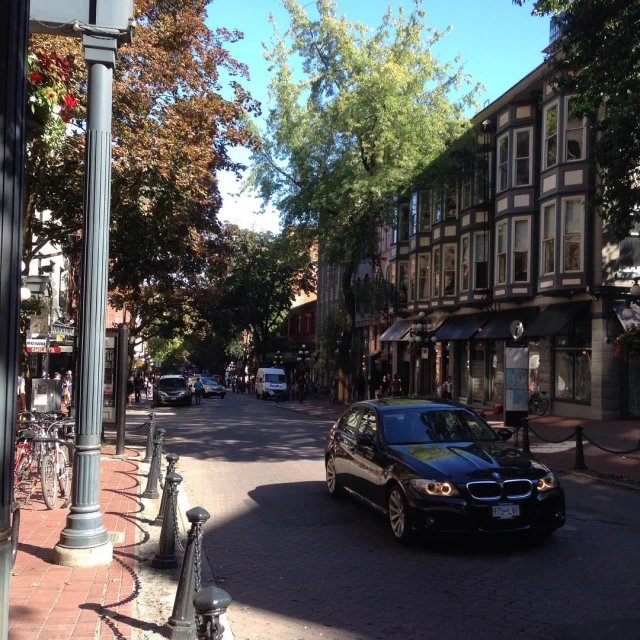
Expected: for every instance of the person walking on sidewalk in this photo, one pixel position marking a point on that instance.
(138, 384)
(384, 387)
(396, 386)
(198, 387)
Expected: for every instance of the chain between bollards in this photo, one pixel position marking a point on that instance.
(210, 604)
(166, 556)
(151, 434)
(181, 625)
(580, 464)
(172, 460)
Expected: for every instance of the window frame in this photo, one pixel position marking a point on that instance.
(545, 116)
(565, 128)
(404, 221)
(453, 245)
(526, 219)
(484, 236)
(438, 197)
(424, 211)
(453, 192)
(426, 258)
(543, 208)
(467, 237)
(486, 159)
(466, 195)
(412, 294)
(435, 272)
(413, 214)
(499, 186)
(501, 223)
(402, 263)
(529, 130)
(563, 201)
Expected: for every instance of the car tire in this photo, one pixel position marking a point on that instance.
(399, 515)
(333, 486)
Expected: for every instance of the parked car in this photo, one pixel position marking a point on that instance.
(171, 390)
(436, 467)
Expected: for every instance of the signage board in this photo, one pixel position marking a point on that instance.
(425, 353)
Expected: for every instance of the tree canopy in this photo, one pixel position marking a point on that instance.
(352, 126)
(597, 58)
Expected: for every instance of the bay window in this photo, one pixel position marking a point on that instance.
(424, 276)
(435, 291)
(464, 264)
(424, 203)
(573, 215)
(522, 159)
(403, 226)
(451, 202)
(467, 184)
(521, 243)
(481, 265)
(396, 222)
(403, 281)
(449, 269)
(548, 238)
(412, 278)
(437, 206)
(501, 253)
(550, 129)
(413, 218)
(574, 136)
(503, 162)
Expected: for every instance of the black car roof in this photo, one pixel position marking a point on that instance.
(428, 403)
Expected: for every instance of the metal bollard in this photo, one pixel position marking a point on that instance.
(161, 433)
(172, 459)
(580, 464)
(150, 437)
(210, 604)
(181, 624)
(151, 490)
(166, 557)
(525, 436)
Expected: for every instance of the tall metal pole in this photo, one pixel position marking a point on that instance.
(84, 541)
(14, 32)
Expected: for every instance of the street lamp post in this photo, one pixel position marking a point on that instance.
(418, 334)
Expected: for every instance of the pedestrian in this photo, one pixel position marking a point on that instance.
(130, 389)
(333, 398)
(372, 386)
(138, 383)
(396, 386)
(198, 387)
(300, 385)
(360, 386)
(67, 389)
(22, 394)
(446, 391)
(147, 387)
(384, 387)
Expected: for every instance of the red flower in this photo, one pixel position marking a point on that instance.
(51, 94)
(35, 77)
(71, 102)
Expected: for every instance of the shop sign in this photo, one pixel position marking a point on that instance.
(425, 353)
(36, 342)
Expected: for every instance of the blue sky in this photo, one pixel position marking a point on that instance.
(498, 41)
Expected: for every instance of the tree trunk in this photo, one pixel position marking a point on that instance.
(344, 353)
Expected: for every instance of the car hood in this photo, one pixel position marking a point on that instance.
(173, 391)
(467, 460)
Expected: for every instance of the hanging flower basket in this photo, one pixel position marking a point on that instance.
(628, 343)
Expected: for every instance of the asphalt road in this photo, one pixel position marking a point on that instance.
(300, 565)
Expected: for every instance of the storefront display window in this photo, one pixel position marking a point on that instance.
(573, 363)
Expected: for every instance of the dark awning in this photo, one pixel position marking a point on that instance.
(499, 327)
(554, 319)
(397, 331)
(461, 327)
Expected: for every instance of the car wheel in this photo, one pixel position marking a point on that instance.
(399, 515)
(333, 486)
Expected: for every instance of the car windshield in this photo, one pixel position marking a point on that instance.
(274, 377)
(172, 383)
(210, 382)
(415, 426)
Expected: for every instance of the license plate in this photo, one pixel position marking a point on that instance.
(506, 511)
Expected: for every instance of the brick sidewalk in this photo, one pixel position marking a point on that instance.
(59, 603)
(617, 435)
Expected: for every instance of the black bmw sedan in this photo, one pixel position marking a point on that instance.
(439, 468)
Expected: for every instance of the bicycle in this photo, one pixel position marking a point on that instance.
(538, 403)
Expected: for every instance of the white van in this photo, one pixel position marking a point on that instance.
(271, 383)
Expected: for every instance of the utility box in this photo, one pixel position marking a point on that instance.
(46, 395)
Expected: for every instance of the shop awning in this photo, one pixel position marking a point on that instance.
(461, 327)
(554, 319)
(499, 326)
(633, 321)
(397, 331)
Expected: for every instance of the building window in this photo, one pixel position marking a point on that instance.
(501, 253)
(467, 185)
(548, 238)
(481, 269)
(424, 202)
(412, 278)
(573, 362)
(629, 259)
(573, 215)
(436, 273)
(403, 227)
(451, 202)
(413, 220)
(574, 145)
(503, 162)
(550, 147)
(403, 282)
(464, 264)
(450, 256)
(423, 276)
(482, 187)
(522, 160)
(396, 222)
(437, 205)
(521, 244)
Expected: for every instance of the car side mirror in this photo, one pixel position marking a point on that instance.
(364, 440)
(503, 433)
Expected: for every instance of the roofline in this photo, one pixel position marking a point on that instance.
(509, 94)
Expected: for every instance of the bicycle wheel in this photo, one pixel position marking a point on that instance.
(15, 531)
(48, 481)
(25, 477)
(64, 472)
(542, 406)
(532, 405)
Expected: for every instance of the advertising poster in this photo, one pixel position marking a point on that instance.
(516, 384)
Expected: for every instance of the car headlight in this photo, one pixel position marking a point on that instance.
(547, 482)
(162, 394)
(434, 488)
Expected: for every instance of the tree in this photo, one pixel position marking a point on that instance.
(372, 110)
(172, 130)
(596, 58)
(266, 273)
